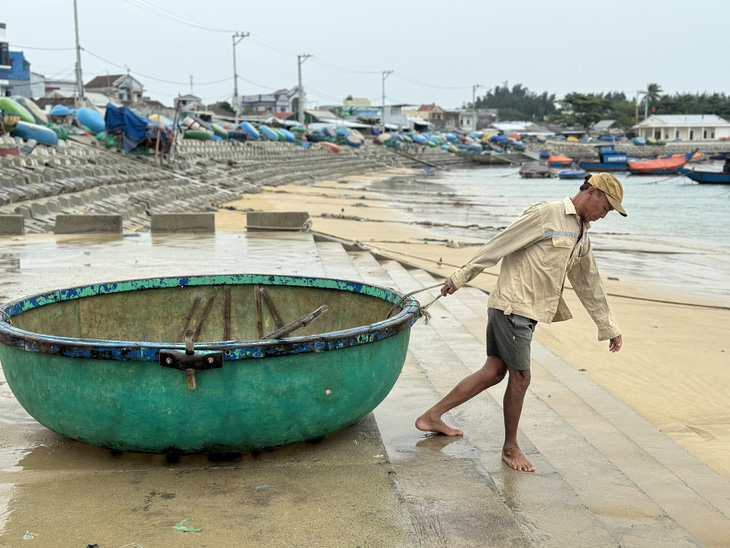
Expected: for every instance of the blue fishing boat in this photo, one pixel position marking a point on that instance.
(609, 160)
(712, 177)
(572, 174)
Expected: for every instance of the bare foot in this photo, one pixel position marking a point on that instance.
(516, 459)
(427, 424)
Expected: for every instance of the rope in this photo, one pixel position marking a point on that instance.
(424, 309)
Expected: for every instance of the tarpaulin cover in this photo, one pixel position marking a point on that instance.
(134, 128)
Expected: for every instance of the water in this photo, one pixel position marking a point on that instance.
(676, 236)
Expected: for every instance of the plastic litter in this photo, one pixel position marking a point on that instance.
(183, 527)
(28, 535)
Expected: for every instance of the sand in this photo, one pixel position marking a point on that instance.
(674, 368)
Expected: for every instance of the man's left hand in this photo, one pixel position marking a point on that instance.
(615, 344)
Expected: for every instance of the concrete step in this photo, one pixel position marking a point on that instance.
(635, 479)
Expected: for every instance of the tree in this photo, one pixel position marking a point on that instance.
(583, 109)
(653, 92)
(517, 103)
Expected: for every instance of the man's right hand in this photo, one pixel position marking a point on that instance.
(448, 288)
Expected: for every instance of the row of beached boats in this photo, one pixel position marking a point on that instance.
(612, 160)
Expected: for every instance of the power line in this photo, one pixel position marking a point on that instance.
(167, 15)
(43, 49)
(335, 66)
(273, 47)
(414, 81)
(152, 77)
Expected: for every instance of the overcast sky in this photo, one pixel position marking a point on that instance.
(437, 50)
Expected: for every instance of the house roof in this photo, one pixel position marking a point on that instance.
(682, 120)
(103, 81)
(283, 115)
(603, 124)
(524, 128)
(428, 108)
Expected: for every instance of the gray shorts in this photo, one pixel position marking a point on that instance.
(509, 337)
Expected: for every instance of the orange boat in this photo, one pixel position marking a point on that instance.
(660, 166)
(559, 161)
(330, 146)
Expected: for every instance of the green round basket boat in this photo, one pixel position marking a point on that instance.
(204, 364)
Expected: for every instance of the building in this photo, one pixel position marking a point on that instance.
(606, 128)
(122, 87)
(278, 101)
(525, 129)
(60, 85)
(4, 61)
(189, 102)
(351, 101)
(16, 77)
(68, 99)
(684, 127)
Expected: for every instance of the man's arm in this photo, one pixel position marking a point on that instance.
(525, 231)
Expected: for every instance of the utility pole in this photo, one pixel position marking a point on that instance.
(636, 114)
(300, 104)
(474, 104)
(191, 84)
(79, 81)
(386, 73)
(236, 106)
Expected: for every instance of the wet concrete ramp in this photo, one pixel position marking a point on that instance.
(605, 476)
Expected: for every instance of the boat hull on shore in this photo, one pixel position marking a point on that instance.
(102, 364)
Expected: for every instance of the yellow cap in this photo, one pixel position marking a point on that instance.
(611, 187)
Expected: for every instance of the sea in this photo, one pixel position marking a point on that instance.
(676, 237)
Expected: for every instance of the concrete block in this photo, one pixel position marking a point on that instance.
(11, 225)
(88, 224)
(183, 222)
(277, 220)
(38, 209)
(24, 211)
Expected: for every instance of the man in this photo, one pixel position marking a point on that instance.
(548, 243)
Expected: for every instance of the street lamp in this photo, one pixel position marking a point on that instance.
(237, 37)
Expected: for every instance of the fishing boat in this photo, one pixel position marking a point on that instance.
(536, 170)
(204, 364)
(609, 160)
(702, 176)
(571, 174)
(41, 134)
(559, 161)
(660, 166)
(91, 119)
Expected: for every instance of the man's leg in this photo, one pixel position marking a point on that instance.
(491, 373)
(514, 397)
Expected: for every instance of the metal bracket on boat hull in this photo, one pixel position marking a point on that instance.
(190, 363)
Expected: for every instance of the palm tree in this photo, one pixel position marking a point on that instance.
(653, 91)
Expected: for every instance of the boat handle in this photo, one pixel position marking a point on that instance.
(190, 361)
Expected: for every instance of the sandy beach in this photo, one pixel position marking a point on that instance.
(673, 369)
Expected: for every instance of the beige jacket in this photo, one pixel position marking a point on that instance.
(538, 251)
